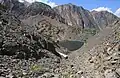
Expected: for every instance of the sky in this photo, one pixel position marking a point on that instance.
(112, 6)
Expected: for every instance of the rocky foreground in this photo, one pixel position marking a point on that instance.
(24, 53)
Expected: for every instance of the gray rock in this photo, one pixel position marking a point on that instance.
(110, 74)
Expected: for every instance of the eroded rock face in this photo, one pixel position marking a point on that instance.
(104, 18)
(76, 16)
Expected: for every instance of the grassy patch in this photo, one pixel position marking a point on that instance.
(86, 33)
(36, 68)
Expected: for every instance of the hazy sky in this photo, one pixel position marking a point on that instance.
(98, 5)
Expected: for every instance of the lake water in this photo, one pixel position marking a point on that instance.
(71, 45)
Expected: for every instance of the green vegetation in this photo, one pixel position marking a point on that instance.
(36, 68)
(90, 31)
(86, 33)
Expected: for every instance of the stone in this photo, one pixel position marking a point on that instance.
(110, 74)
(2, 77)
(118, 71)
(80, 72)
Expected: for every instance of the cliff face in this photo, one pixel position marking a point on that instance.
(104, 18)
(76, 16)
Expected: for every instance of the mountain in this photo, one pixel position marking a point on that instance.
(63, 22)
(22, 11)
(104, 18)
(14, 7)
(37, 41)
(83, 23)
(76, 16)
(40, 15)
(46, 19)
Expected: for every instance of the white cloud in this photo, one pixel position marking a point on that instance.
(117, 12)
(52, 4)
(102, 9)
(30, 1)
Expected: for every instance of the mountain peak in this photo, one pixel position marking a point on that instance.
(70, 5)
(40, 5)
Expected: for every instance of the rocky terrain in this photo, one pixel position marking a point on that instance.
(98, 58)
(21, 47)
(67, 41)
